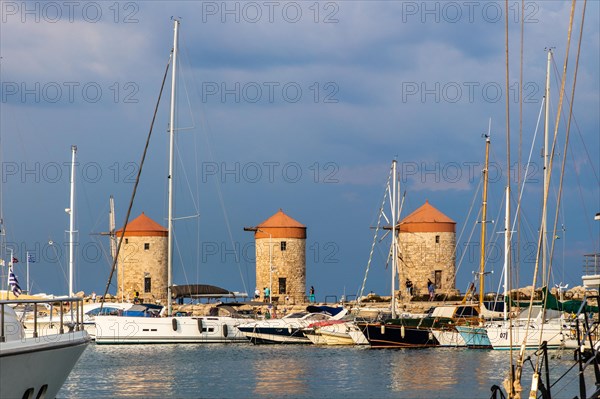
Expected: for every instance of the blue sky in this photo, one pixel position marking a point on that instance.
(293, 105)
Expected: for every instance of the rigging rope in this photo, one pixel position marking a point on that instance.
(137, 181)
(385, 193)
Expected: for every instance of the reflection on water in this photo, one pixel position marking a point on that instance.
(407, 371)
(274, 375)
(294, 371)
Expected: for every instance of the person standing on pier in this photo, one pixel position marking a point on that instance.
(409, 287)
(431, 289)
(312, 294)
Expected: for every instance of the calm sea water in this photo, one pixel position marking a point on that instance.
(293, 371)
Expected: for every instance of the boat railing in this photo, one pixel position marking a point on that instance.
(69, 306)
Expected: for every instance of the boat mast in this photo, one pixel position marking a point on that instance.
(171, 152)
(113, 237)
(71, 212)
(483, 223)
(506, 249)
(394, 237)
(544, 206)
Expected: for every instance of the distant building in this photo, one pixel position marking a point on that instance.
(142, 261)
(281, 240)
(427, 242)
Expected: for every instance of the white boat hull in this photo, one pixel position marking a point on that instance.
(337, 334)
(499, 335)
(449, 338)
(160, 330)
(36, 367)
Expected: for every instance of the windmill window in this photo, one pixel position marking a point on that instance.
(147, 284)
(282, 285)
(437, 239)
(127, 241)
(146, 246)
(283, 245)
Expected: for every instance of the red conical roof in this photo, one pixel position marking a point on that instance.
(143, 226)
(427, 219)
(280, 225)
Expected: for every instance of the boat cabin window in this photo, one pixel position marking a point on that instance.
(282, 283)
(283, 245)
(146, 246)
(147, 284)
(466, 311)
(296, 315)
(105, 311)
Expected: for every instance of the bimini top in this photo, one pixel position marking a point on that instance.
(143, 226)
(202, 291)
(427, 219)
(279, 225)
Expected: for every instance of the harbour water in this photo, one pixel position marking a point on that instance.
(295, 371)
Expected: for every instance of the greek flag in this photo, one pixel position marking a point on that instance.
(13, 283)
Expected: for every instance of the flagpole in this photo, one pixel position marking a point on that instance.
(27, 253)
(10, 266)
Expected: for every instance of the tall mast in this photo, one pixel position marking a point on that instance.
(394, 237)
(113, 237)
(544, 206)
(171, 152)
(483, 222)
(506, 249)
(71, 212)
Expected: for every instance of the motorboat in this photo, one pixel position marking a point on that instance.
(37, 366)
(289, 329)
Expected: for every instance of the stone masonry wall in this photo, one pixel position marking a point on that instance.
(135, 262)
(289, 264)
(421, 256)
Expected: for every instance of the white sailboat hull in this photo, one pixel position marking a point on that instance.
(554, 333)
(160, 330)
(338, 334)
(449, 338)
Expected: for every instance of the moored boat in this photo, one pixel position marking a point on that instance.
(289, 329)
(36, 366)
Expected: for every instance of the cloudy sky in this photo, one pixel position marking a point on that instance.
(293, 105)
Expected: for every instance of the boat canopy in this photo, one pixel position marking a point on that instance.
(553, 303)
(330, 310)
(203, 291)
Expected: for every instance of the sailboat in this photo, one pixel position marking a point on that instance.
(397, 332)
(130, 329)
(475, 335)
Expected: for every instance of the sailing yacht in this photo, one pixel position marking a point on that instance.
(130, 329)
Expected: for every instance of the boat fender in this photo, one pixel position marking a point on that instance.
(383, 329)
(402, 331)
(200, 324)
(290, 330)
(174, 323)
(225, 332)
